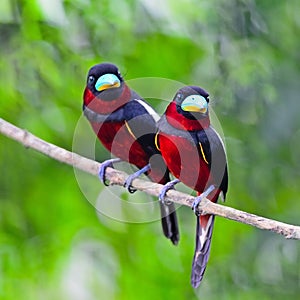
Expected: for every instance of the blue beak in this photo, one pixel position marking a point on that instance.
(195, 103)
(107, 81)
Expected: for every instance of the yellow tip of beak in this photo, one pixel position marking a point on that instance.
(194, 108)
(109, 86)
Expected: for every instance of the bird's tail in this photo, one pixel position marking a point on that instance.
(169, 222)
(204, 230)
(169, 217)
(160, 174)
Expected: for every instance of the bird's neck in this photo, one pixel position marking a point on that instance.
(179, 121)
(100, 106)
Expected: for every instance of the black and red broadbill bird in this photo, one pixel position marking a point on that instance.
(195, 155)
(126, 126)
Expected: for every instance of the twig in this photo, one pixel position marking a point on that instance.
(118, 178)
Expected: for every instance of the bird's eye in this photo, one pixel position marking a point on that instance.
(91, 79)
(179, 96)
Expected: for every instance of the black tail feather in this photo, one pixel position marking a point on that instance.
(202, 250)
(169, 222)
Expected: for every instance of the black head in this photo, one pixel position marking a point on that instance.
(192, 102)
(105, 80)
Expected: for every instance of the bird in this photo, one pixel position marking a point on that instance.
(126, 126)
(195, 154)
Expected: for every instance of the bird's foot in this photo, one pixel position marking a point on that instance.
(104, 165)
(199, 199)
(168, 186)
(133, 176)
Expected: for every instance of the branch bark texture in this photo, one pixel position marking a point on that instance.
(118, 178)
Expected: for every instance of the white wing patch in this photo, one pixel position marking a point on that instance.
(149, 109)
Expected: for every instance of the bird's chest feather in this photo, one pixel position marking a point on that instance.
(185, 161)
(119, 140)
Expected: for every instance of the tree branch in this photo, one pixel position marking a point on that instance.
(118, 178)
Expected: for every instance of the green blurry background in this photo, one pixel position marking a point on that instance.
(53, 245)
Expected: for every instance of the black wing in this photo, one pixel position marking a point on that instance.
(212, 148)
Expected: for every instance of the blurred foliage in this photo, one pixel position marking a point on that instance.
(244, 52)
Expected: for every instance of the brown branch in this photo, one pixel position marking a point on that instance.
(118, 177)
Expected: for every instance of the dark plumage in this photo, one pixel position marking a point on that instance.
(194, 153)
(126, 125)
